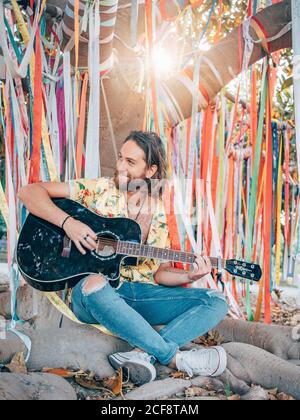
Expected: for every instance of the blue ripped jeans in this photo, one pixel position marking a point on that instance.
(130, 312)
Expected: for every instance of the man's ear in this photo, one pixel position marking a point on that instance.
(151, 171)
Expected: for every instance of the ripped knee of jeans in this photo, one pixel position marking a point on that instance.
(93, 284)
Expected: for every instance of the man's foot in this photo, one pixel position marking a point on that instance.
(210, 361)
(137, 366)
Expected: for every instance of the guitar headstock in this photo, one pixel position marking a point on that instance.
(243, 269)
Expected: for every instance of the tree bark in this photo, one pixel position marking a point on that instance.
(106, 33)
(76, 348)
(221, 64)
(275, 339)
(257, 366)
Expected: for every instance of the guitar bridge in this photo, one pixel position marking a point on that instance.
(67, 247)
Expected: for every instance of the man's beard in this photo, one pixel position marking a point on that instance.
(123, 184)
(129, 184)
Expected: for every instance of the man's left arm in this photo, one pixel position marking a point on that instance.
(169, 276)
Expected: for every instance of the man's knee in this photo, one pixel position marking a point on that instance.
(220, 304)
(93, 284)
(218, 301)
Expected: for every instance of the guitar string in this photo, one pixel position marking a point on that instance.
(114, 243)
(111, 242)
(131, 244)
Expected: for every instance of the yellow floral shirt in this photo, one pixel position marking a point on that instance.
(102, 197)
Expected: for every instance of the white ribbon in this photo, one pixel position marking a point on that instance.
(71, 159)
(249, 45)
(15, 70)
(192, 150)
(2, 68)
(134, 21)
(172, 112)
(189, 85)
(53, 118)
(92, 168)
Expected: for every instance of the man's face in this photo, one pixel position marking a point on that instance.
(131, 165)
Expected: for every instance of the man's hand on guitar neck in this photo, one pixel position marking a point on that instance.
(168, 275)
(202, 267)
(82, 235)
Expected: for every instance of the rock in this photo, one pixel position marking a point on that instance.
(159, 389)
(168, 387)
(256, 394)
(4, 283)
(35, 386)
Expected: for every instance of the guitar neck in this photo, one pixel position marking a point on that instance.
(139, 250)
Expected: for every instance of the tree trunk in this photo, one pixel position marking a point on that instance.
(126, 105)
(75, 348)
(275, 339)
(223, 58)
(257, 366)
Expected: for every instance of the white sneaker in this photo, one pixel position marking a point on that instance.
(136, 366)
(210, 361)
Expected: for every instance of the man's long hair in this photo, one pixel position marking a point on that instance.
(155, 154)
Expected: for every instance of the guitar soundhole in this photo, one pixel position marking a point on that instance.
(107, 245)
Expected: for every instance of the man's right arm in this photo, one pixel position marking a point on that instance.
(37, 200)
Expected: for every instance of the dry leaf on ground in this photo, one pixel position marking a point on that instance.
(195, 391)
(17, 364)
(115, 384)
(64, 373)
(179, 375)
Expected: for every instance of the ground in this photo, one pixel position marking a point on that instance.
(171, 384)
(285, 312)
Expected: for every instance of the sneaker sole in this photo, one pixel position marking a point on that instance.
(137, 371)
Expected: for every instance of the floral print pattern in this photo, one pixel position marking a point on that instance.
(102, 196)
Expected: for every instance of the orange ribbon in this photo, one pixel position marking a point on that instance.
(37, 114)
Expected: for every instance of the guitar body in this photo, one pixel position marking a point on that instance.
(41, 244)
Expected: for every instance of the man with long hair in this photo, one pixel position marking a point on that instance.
(151, 293)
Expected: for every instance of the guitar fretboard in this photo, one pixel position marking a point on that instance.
(140, 250)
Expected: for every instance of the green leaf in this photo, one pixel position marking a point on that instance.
(288, 83)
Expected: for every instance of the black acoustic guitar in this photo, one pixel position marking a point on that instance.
(49, 261)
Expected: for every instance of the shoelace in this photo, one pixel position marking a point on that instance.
(144, 356)
(187, 362)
